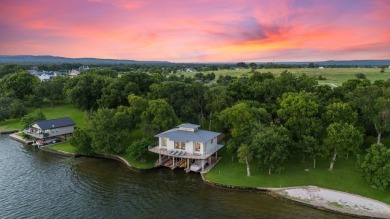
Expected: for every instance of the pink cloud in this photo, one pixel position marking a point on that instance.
(200, 30)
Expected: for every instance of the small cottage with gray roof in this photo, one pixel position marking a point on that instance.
(186, 144)
(51, 128)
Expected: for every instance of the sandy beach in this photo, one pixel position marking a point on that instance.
(337, 201)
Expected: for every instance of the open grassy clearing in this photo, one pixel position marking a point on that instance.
(50, 113)
(332, 75)
(345, 176)
(148, 162)
(64, 146)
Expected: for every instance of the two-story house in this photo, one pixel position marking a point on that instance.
(187, 143)
(51, 128)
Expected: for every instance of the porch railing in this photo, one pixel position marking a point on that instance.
(163, 151)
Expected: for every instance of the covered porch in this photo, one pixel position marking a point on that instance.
(180, 159)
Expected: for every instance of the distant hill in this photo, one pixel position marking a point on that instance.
(28, 59)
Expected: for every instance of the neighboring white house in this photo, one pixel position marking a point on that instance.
(44, 77)
(73, 73)
(186, 144)
(51, 128)
(83, 68)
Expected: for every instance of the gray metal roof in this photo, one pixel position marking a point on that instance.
(188, 125)
(180, 135)
(55, 123)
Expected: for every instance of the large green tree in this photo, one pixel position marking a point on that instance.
(138, 149)
(342, 138)
(271, 147)
(84, 90)
(109, 131)
(31, 118)
(340, 112)
(239, 120)
(81, 141)
(158, 117)
(300, 114)
(245, 155)
(217, 99)
(20, 84)
(53, 90)
(375, 166)
(374, 104)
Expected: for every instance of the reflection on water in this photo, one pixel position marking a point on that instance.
(38, 184)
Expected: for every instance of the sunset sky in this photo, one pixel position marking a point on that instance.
(197, 30)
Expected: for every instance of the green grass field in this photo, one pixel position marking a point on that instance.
(345, 177)
(64, 146)
(147, 163)
(50, 113)
(332, 75)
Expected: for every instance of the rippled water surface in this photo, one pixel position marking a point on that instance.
(37, 184)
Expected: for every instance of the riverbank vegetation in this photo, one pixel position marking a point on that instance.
(273, 120)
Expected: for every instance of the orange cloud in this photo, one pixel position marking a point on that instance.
(201, 30)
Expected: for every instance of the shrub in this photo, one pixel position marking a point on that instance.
(375, 166)
(139, 148)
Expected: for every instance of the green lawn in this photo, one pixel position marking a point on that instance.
(149, 161)
(50, 113)
(332, 75)
(345, 177)
(9, 124)
(64, 146)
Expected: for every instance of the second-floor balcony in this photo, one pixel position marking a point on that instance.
(155, 148)
(36, 134)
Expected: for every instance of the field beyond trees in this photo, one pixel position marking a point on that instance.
(333, 75)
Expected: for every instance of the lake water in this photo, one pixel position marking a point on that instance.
(37, 184)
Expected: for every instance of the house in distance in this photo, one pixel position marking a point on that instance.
(187, 146)
(47, 129)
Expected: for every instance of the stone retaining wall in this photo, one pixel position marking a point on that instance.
(109, 156)
(8, 131)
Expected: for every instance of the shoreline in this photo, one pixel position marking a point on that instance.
(316, 202)
(279, 193)
(47, 148)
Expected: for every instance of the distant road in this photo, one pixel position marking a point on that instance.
(330, 84)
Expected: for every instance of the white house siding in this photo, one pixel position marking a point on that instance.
(61, 131)
(210, 145)
(190, 146)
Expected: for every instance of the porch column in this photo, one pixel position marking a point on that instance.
(159, 158)
(173, 161)
(210, 160)
(188, 163)
(202, 165)
(216, 154)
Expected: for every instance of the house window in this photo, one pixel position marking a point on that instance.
(204, 146)
(197, 146)
(212, 140)
(180, 145)
(163, 142)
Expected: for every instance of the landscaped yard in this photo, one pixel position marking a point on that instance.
(64, 146)
(148, 162)
(345, 177)
(50, 113)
